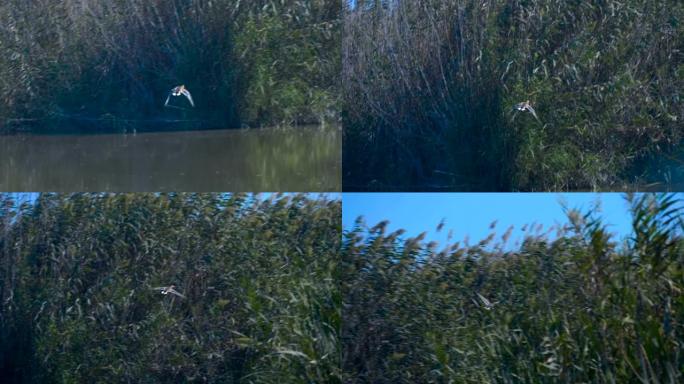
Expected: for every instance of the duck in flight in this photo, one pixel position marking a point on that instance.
(177, 91)
(525, 106)
(488, 305)
(169, 289)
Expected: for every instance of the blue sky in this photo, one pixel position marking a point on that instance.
(470, 214)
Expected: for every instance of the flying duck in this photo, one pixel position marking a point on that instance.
(177, 91)
(488, 305)
(169, 289)
(525, 106)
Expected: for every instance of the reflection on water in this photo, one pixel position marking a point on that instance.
(294, 159)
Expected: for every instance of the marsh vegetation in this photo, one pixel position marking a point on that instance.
(583, 307)
(260, 304)
(245, 62)
(429, 85)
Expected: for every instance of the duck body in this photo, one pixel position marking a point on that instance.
(170, 289)
(526, 106)
(179, 91)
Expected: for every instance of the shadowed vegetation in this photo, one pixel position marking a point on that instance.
(582, 308)
(429, 86)
(260, 303)
(245, 62)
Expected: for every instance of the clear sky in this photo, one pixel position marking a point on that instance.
(472, 213)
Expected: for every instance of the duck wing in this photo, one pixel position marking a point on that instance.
(486, 302)
(171, 290)
(186, 93)
(166, 104)
(529, 108)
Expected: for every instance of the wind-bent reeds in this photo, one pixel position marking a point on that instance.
(255, 62)
(581, 308)
(259, 301)
(429, 87)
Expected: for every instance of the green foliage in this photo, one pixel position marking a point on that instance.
(257, 62)
(260, 303)
(429, 89)
(581, 308)
(290, 59)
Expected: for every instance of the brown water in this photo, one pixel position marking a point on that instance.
(303, 159)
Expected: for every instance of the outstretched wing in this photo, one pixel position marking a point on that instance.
(171, 290)
(186, 93)
(166, 104)
(529, 108)
(486, 302)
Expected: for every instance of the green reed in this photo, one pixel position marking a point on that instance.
(429, 87)
(260, 303)
(585, 307)
(256, 63)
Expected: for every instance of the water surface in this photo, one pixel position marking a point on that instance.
(302, 159)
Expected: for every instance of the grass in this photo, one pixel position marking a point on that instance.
(428, 90)
(261, 305)
(585, 307)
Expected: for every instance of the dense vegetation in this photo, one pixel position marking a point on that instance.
(260, 305)
(245, 62)
(583, 308)
(429, 86)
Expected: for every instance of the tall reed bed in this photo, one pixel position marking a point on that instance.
(585, 307)
(429, 87)
(257, 62)
(77, 272)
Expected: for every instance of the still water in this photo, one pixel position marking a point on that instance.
(302, 159)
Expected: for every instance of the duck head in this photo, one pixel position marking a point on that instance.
(178, 90)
